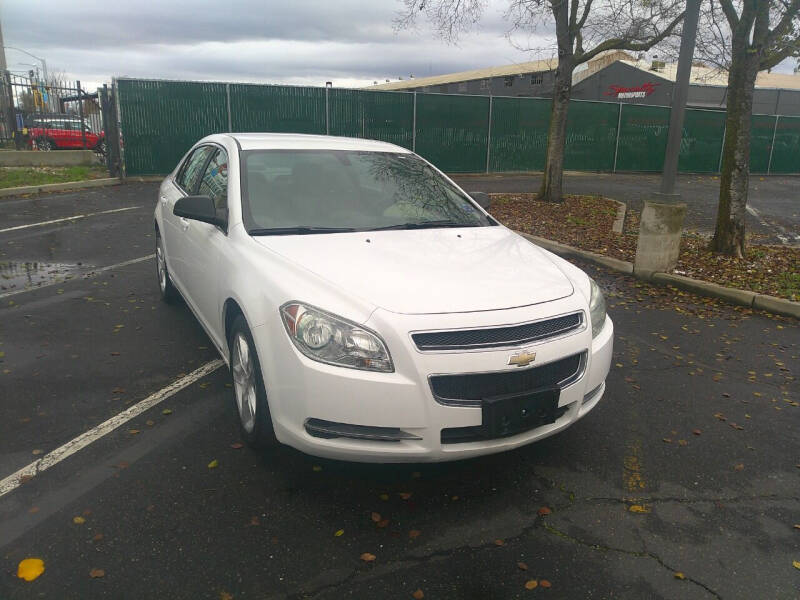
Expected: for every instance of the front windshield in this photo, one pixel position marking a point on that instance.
(349, 190)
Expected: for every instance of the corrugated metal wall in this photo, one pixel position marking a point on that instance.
(459, 134)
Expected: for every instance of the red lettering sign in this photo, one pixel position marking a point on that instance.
(640, 91)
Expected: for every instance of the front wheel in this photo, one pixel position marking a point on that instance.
(45, 145)
(169, 292)
(255, 421)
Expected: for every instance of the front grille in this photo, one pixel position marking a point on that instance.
(470, 388)
(494, 337)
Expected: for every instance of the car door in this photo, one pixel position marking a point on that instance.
(174, 235)
(204, 245)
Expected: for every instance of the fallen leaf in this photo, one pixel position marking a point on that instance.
(414, 534)
(531, 584)
(254, 522)
(679, 575)
(95, 573)
(499, 542)
(544, 511)
(37, 451)
(522, 566)
(796, 564)
(223, 595)
(545, 583)
(316, 468)
(683, 443)
(78, 520)
(696, 431)
(384, 497)
(418, 595)
(166, 411)
(404, 495)
(122, 465)
(97, 537)
(367, 557)
(213, 464)
(639, 508)
(134, 431)
(339, 533)
(796, 526)
(739, 467)
(375, 517)
(237, 445)
(150, 423)
(34, 509)
(383, 523)
(667, 440)
(30, 568)
(720, 416)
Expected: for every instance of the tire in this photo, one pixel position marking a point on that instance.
(45, 144)
(249, 393)
(169, 293)
(100, 148)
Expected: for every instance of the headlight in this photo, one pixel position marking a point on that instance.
(597, 308)
(327, 338)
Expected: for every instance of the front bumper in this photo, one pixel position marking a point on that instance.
(303, 392)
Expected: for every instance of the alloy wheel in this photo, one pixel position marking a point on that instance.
(244, 381)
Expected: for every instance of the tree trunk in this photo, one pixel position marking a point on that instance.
(550, 189)
(735, 176)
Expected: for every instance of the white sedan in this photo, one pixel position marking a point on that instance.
(369, 308)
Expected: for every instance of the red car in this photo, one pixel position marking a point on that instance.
(57, 133)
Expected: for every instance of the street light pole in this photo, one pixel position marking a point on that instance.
(41, 60)
(679, 96)
(661, 221)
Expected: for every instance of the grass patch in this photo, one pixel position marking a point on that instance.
(21, 176)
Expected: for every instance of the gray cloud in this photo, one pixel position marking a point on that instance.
(349, 41)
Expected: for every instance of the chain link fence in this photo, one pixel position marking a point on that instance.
(460, 134)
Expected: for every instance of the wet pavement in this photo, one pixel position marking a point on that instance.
(682, 483)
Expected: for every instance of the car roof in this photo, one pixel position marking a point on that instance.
(298, 141)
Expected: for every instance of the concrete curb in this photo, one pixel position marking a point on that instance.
(564, 250)
(772, 304)
(58, 187)
(145, 179)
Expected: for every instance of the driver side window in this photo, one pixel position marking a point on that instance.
(193, 169)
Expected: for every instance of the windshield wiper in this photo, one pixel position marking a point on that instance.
(299, 230)
(425, 225)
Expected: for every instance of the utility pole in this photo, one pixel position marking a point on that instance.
(679, 95)
(661, 223)
(3, 65)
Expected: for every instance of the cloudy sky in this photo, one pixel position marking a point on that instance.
(349, 42)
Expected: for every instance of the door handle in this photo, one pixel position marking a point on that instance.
(185, 223)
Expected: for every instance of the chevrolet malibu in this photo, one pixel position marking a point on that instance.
(368, 308)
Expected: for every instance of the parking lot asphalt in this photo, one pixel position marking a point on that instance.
(684, 482)
(773, 201)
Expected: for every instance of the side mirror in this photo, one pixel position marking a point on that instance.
(483, 199)
(198, 208)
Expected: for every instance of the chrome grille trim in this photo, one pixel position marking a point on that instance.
(499, 336)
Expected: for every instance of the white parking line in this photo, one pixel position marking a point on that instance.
(73, 218)
(87, 275)
(13, 481)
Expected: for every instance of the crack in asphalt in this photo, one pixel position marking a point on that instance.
(730, 500)
(643, 554)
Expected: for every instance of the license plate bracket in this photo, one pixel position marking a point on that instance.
(508, 415)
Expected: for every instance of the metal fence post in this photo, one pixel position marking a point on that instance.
(228, 98)
(772, 146)
(327, 113)
(12, 117)
(616, 144)
(123, 171)
(489, 135)
(80, 112)
(414, 125)
(722, 149)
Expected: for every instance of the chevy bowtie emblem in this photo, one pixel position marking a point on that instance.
(523, 359)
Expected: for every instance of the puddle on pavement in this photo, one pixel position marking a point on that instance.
(15, 275)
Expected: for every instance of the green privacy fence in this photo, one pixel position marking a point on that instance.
(458, 133)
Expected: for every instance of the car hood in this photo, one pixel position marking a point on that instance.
(429, 270)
